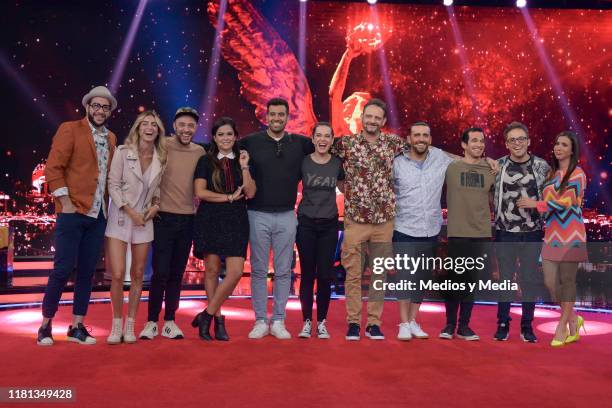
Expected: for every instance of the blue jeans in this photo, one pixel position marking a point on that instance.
(276, 230)
(419, 246)
(525, 248)
(78, 239)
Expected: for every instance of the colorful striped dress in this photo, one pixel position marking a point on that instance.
(565, 235)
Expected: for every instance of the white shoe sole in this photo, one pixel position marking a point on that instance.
(45, 344)
(468, 338)
(323, 336)
(259, 336)
(85, 343)
(113, 342)
(352, 338)
(445, 336)
(304, 336)
(420, 337)
(369, 336)
(404, 338)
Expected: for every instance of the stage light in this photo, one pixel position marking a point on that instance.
(448, 2)
(126, 48)
(372, 2)
(521, 3)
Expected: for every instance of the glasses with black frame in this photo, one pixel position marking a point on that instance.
(96, 107)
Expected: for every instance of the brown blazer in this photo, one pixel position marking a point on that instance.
(73, 163)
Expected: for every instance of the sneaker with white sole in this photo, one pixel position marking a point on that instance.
(260, 330)
(322, 332)
(416, 331)
(172, 331)
(149, 332)
(128, 332)
(79, 334)
(278, 330)
(45, 338)
(306, 330)
(373, 332)
(404, 334)
(116, 333)
(465, 333)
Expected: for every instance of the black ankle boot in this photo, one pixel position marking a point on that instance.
(204, 325)
(220, 333)
(196, 320)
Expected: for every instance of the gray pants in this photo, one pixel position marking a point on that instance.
(276, 230)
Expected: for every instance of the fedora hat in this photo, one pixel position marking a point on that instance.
(102, 92)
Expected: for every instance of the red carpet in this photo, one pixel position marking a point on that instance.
(270, 372)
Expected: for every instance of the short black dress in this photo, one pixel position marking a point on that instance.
(221, 228)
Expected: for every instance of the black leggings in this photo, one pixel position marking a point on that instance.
(316, 240)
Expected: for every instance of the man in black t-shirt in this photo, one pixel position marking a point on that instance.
(276, 159)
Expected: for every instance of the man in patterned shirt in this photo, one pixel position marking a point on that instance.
(76, 171)
(369, 209)
(522, 175)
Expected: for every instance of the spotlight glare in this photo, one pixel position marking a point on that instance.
(448, 2)
(521, 3)
(372, 2)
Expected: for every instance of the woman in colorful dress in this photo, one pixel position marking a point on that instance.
(565, 235)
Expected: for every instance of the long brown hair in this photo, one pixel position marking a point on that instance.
(573, 159)
(214, 150)
(133, 137)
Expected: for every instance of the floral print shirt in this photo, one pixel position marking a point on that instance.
(368, 193)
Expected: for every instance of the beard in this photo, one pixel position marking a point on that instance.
(180, 140)
(93, 122)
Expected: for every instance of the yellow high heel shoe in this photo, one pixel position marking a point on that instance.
(559, 343)
(579, 325)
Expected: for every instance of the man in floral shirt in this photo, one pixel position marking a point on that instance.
(369, 209)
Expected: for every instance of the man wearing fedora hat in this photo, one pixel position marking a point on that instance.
(76, 171)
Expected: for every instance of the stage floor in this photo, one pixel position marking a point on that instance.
(312, 372)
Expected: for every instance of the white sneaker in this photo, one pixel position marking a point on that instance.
(322, 332)
(260, 329)
(128, 333)
(416, 331)
(149, 332)
(172, 331)
(278, 330)
(404, 332)
(306, 330)
(116, 332)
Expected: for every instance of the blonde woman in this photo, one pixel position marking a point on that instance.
(133, 184)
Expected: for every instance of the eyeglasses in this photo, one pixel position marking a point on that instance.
(279, 149)
(96, 107)
(514, 140)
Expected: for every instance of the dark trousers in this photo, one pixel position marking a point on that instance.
(171, 247)
(414, 247)
(524, 247)
(78, 240)
(463, 301)
(316, 240)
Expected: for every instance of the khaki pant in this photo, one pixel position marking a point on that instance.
(357, 236)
